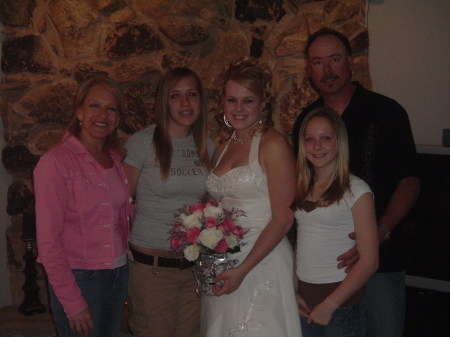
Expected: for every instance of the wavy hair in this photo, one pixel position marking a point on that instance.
(254, 76)
(339, 181)
(161, 138)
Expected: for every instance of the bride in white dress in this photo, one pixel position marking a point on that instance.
(254, 171)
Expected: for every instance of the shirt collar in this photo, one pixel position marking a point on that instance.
(76, 146)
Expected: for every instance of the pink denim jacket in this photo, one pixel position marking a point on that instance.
(74, 216)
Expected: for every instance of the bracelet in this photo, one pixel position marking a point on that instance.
(332, 302)
(386, 231)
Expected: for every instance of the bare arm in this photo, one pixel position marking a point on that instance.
(401, 202)
(364, 217)
(274, 150)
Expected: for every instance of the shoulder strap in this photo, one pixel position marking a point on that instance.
(223, 152)
(254, 149)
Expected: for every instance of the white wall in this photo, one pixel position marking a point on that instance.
(409, 59)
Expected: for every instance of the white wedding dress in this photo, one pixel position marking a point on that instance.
(264, 305)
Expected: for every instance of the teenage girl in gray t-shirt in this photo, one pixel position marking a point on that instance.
(167, 165)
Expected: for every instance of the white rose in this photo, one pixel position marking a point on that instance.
(191, 252)
(212, 211)
(210, 236)
(231, 240)
(191, 220)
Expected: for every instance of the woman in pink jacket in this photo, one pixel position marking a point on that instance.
(82, 216)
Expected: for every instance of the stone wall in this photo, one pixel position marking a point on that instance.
(52, 45)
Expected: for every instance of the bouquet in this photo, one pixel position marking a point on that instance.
(206, 234)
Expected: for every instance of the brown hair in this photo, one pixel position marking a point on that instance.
(161, 138)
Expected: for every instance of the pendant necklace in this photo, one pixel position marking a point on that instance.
(238, 140)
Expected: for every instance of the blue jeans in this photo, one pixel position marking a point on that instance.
(384, 302)
(105, 291)
(346, 322)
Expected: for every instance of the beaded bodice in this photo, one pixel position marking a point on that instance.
(243, 187)
(231, 182)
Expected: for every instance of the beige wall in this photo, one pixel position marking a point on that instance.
(409, 61)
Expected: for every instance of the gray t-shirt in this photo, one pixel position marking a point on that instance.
(158, 200)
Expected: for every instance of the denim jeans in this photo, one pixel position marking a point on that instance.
(384, 302)
(105, 291)
(346, 322)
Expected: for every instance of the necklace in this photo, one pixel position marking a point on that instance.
(238, 140)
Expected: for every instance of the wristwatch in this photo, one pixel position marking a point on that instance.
(387, 232)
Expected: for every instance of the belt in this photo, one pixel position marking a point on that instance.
(167, 262)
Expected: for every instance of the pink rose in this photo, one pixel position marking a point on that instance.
(193, 234)
(210, 222)
(176, 242)
(228, 225)
(198, 207)
(238, 231)
(221, 246)
(178, 228)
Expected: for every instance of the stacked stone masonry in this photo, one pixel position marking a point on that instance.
(50, 46)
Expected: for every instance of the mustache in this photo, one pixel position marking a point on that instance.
(329, 77)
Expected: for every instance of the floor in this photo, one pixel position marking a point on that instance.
(427, 315)
(15, 324)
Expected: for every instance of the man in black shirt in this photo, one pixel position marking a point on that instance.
(382, 153)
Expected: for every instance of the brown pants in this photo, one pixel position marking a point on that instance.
(163, 302)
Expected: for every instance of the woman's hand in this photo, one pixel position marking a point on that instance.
(82, 323)
(228, 281)
(303, 307)
(322, 313)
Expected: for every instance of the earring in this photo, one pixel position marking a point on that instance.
(227, 123)
(261, 117)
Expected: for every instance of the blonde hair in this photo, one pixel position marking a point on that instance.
(74, 127)
(161, 138)
(254, 76)
(339, 181)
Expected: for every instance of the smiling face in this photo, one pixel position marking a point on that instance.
(242, 107)
(320, 144)
(329, 65)
(98, 114)
(184, 102)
